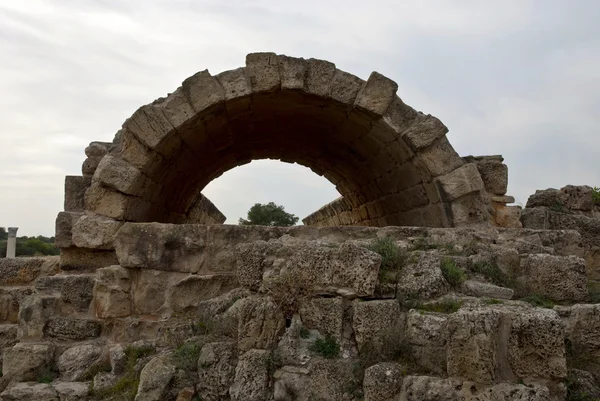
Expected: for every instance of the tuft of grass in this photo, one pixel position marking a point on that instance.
(445, 306)
(493, 301)
(421, 244)
(186, 356)
(491, 271)
(596, 195)
(215, 326)
(103, 366)
(45, 375)
(452, 273)
(558, 207)
(538, 300)
(594, 292)
(392, 259)
(288, 291)
(303, 332)
(326, 347)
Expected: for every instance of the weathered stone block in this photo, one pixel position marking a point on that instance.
(189, 292)
(345, 87)
(263, 71)
(378, 326)
(112, 292)
(95, 232)
(260, 323)
(438, 159)
(583, 329)
(10, 299)
(562, 278)
(8, 336)
(235, 83)
(66, 328)
(377, 94)
(494, 176)
(424, 131)
(64, 228)
(422, 279)
(120, 175)
(157, 246)
(75, 362)
(149, 125)
(383, 382)
(155, 378)
(23, 361)
(460, 182)
(427, 335)
(75, 187)
(325, 315)
(86, 259)
(34, 312)
(30, 392)
(482, 289)
(216, 370)
(319, 74)
(19, 271)
(251, 376)
(148, 291)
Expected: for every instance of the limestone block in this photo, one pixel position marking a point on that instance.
(536, 344)
(74, 258)
(426, 388)
(74, 391)
(34, 312)
(77, 290)
(263, 71)
(583, 384)
(75, 362)
(325, 315)
(577, 197)
(482, 289)
(148, 291)
(189, 292)
(472, 344)
(19, 271)
(10, 300)
(347, 268)
(494, 176)
(64, 228)
(216, 370)
(149, 125)
(584, 329)
(377, 94)
(422, 279)
(120, 175)
(118, 359)
(97, 149)
(25, 360)
(113, 204)
(155, 378)
(291, 382)
(104, 381)
(427, 334)
(66, 328)
(235, 83)
(251, 381)
(562, 278)
(319, 74)
(470, 210)
(508, 217)
(112, 292)
(167, 247)
(424, 131)
(546, 197)
(345, 87)
(75, 187)
(176, 108)
(135, 153)
(30, 392)
(89, 166)
(260, 324)
(378, 326)
(438, 158)
(399, 115)
(383, 382)
(95, 232)
(462, 181)
(8, 336)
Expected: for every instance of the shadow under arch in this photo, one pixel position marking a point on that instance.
(391, 164)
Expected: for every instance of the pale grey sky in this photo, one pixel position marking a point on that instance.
(519, 78)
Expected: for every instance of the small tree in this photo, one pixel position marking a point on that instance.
(268, 214)
(3, 234)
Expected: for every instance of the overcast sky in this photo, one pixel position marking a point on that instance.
(518, 78)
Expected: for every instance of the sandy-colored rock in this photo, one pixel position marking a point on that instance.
(383, 382)
(378, 326)
(583, 329)
(19, 271)
(10, 300)
(325, 315)
(34, 312)
(261, 323)
(97, 232)
(189, 292)
(112, 292)
(427, 336)
(422, 279)
(462, 181)
(30, 392)
(251, 382)
(562, 278)
(216, 370)
(24, 361)
(155, 378)
(67, 328)
(75, 362)
(483, 289)
(74, 391)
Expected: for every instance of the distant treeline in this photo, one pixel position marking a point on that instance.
(29, 246)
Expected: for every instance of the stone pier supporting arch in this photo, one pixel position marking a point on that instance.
(391, 164)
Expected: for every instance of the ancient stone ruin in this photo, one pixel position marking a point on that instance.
(418, 283)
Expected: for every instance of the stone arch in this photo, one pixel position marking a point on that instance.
(391, 164)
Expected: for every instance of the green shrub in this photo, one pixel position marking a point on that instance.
(327, 347)
(392, 259)
(596, 195)
(452, 273)
(303, 332)
(594, 292)
(186, 356)
(491, 271)
(539, 300)
(45, 375)
(445, 306)
(421, 244)
(493, 301)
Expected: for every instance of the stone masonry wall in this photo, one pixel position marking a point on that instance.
(302, 313)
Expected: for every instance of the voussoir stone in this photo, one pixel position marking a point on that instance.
(424, 131)
(462, 181)
(168, 247)
(120, 175)
(377, 94)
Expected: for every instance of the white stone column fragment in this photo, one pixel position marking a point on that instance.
(11, 244)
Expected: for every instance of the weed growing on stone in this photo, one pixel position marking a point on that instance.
(452, 273)
(538, 300)
(326, 347)
(491, 271)
(186, 356)
(558, 207)
(303, 332)
(421, 244)
(392, 259)
(594, 292)
(596, 195)
(214, 325)
(445, 306)
(103, 366)
(45, 375)
(287, 291)
(493, 301)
